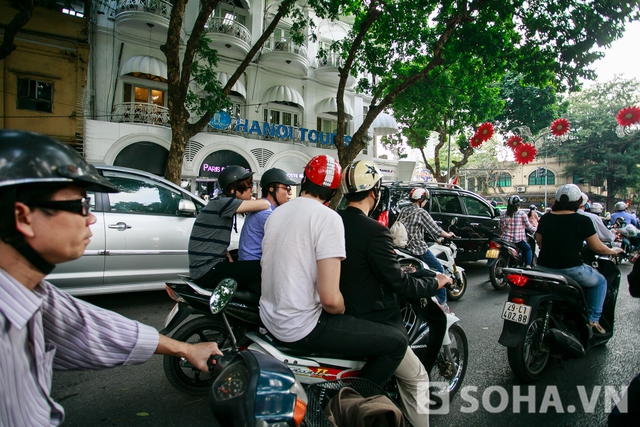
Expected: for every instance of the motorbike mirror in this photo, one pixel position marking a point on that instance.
(222, 295)
(454, 221)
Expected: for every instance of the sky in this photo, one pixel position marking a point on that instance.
(622, 57)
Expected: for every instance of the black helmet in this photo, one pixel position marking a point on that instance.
(275, 175)
(232, 174)
(30, 158)
(514, 201)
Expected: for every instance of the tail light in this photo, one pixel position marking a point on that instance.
(494, 245)
(518, 300)
(173, 295)
(384, 218)
(517, 279)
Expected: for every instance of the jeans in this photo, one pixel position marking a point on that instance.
(588, 278)
(526, 251)
(346, 336)
(435, 265)
(246, 273)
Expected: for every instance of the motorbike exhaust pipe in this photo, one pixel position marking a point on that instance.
(566, 343)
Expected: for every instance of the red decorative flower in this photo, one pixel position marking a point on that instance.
(525, 153)
(514, 141)
(476, 141)
(628, 116)
(560, 127)
(485, 131)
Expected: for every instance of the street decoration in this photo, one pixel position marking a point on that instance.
(514, 141)
(628, 116)
(560, 127)
(485, 131)
(475, 141)
(525, 153)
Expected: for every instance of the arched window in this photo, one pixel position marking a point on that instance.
(540, 178)
(504, 180)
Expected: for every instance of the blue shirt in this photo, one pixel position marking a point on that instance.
(250, 247)
(628, 218)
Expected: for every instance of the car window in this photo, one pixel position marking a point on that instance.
(476, 207)
(446, 203)
(142, 196)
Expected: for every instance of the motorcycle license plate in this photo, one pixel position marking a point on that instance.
(492, 253)
(518, 313)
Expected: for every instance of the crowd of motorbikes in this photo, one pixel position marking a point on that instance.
(259, 381)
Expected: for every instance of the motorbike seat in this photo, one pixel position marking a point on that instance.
(302, 353)
(246, 296)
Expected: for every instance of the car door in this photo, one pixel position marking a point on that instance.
(146, 238)
(481, 221)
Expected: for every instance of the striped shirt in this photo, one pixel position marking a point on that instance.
(211, 234)
(513, 227)
(417, 221)
(47, 329)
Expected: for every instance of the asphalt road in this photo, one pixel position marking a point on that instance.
(573, 393)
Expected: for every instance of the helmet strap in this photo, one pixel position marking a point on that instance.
(20, 245)
(272, 193)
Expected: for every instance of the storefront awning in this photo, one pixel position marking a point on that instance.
(237, 87)
(384, 124)
(283, 94)
(145, 67)
(330, 106)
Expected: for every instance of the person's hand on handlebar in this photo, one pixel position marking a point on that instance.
(443, 280)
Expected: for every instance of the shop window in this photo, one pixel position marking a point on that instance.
(35, 95)
(135, 93)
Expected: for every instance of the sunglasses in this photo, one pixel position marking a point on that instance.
(286, 187)
(80, 206)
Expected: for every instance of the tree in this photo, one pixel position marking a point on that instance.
(399, 44)
(597, 155)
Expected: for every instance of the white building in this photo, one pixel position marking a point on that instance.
(284, 106)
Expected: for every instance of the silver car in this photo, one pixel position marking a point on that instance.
(140, 237)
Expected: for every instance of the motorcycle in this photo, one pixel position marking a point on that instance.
(546, 315)
(445, 250)
(502, 254)
(435, 336)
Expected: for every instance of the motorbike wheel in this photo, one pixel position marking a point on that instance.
(180, 373)
(529, 358)
(497, 277)
(458, 288)
(450, 368)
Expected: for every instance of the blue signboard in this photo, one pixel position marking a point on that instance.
(220, 120)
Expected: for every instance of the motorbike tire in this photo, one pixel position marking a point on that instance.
(497, 277)
(529, 358)
(458, 288)
(180, 373)
(444, 372)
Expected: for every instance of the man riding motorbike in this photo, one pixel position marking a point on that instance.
(276, 189)
(301, 303)
(513, 224)
(560, 236)
(371, 275)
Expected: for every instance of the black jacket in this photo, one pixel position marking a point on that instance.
(370, 275)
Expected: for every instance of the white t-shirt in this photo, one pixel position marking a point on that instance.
(296, 236)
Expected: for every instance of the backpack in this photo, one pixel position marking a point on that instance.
(399, 232)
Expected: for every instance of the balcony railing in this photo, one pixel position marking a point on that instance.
(333, 60)
(273, 45)
(140, 112)
(157, 7)
(219, 25)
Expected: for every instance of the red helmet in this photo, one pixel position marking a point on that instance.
(324, 171)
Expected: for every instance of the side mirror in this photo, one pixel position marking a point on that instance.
(454, 221)
(222, 295)
(186, 207)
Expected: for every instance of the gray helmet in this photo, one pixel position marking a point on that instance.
(514, 200)
(275, 175)
(620, 206)
(232, 174)
(532, 207)
(30, 158)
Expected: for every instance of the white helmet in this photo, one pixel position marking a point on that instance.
(596, 208)
(419, 193)
(572, 192)
(620, 206)
(585, 199)
(514, 200)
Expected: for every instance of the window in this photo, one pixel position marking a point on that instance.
(446, 203)
(147, 95)
(330, 126)
(231, 11)
(504, 180)
(476, 207)
(139, 196)
(471, 184)
(540, 180)
(35, 95)
(277, 117)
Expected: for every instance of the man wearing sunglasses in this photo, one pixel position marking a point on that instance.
(276, 188)
(45, 219)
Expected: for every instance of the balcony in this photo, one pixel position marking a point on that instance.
(228, 37)
(286, 56)
(327, 70)
(143, 20)
(140, 112)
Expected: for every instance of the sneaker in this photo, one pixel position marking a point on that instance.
(597, 329)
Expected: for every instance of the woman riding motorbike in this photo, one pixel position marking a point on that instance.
(560, 236)
(513, 224)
